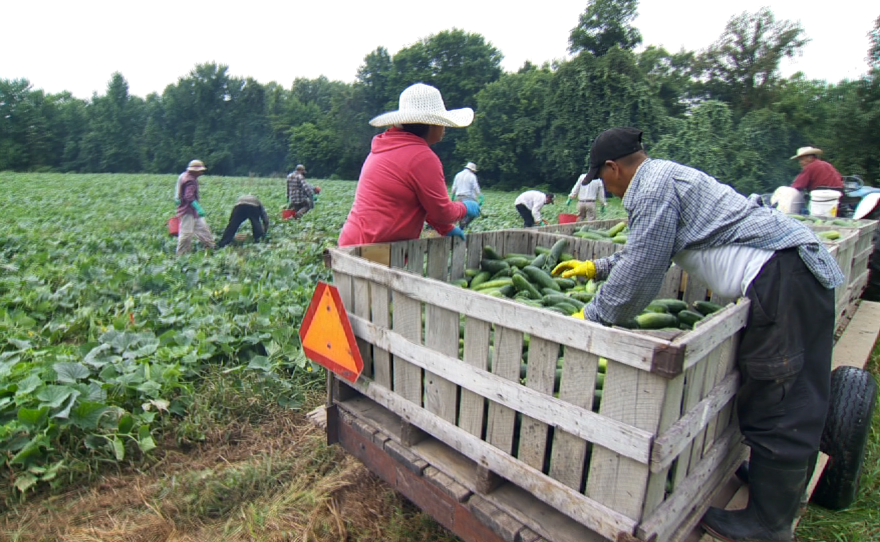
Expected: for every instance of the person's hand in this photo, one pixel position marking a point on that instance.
(568, 202)
(176, 201)
(571, 268)
(456, 232)
(198, 208)
(544, 222)
(452, 197)
(481, 199)
(473, 208)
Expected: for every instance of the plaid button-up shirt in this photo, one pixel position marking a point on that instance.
(296, 189)
(672, 207)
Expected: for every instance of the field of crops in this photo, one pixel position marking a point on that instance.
(118, 358)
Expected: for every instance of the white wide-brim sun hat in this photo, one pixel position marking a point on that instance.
(806, 151)
(423, 104)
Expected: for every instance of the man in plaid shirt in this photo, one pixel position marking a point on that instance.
(300, 194)
(740, 249)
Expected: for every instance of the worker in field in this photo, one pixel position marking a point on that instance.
(401, 185)
(587, 193)
(740, 249)
(246, 208)
(300, 194)
(465, 187)
(529, 205)
(190, 212)
(815, 172)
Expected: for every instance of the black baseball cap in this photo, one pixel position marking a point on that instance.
(613, 144)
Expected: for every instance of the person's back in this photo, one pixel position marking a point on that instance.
(818, 174)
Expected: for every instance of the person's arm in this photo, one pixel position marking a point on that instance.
(430, 187)
(802, 181)
(188, 193)
(536, 210)
(635, 274)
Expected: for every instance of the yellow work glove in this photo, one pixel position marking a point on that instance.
(570, 268)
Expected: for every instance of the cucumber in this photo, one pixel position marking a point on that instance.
(632, 323)
(565, 256)
(620, 239)
(508, 290)
(603, 366)
(523, 285)
(565, 284)
(541, 250)
(471, 272)
(568, 308)
(594, 236)
(573, 301)
(689, 317)
(539, 260)
(672, 305)
(615, 229)
(707, 307)
(600, 380)
(518, 262)
(591, 287)
(460, 282)
(553, 258)
(655, 307)
(494, 292)
(581, 296)
(490, 254)
(831, 235)
(493, 266)
(481, 277)
(510, 255)
(503, 273)
(550, 291)
(559, 309)
(540, 278)
(552, 299)
(653, 320)
(495, 283)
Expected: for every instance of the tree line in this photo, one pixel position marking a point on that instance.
(725, 109)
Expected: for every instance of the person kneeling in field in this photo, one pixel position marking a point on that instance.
(246, 208)
(300, 194)
(190, 213)
(739, 248)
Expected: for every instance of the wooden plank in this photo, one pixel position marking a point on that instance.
(578, 382)
(505, 365)
(855, 345)
(673, 441)
(381, 316)
(694, 290)
(379, 253)
(458, 260)
(722, 368)
(476, 354)
(694, 377)
(501, 386)
(540, 377)
(712, 331)
(407, 322)
(441, 335)
(671, 286)
(362, 309)
(729, 364)
(656, 491)
(709, 381)
(635, 398)
(630, 348)
(587, 511)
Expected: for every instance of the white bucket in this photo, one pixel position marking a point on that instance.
(824, 202)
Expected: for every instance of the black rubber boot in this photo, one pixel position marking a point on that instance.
(775, 492)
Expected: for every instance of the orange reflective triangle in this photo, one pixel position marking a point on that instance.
(326, 335)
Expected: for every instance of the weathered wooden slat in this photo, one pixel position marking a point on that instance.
(671, 283)
(600, 518)
(695, 290)
(540, 377)
(407, 322)
(671, 442)
(441, 335)
(458, 260)
(505, 366)
(628, 347)
(579, 370)
(709, 381)
(476, 354)
(656, 491)
(504, 390)
(381, 316)
(693, 389)
(713, 331)
(362, 307)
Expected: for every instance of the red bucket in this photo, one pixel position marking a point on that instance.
(287, 214)
(565, 218)
(173, 225)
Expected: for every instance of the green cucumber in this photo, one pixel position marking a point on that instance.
(495, 283)
(539, 260)
(493, 266)
(508, 290)
(565, 256)
(541, 250)
(523, 285)
(620, 239)
(503, 273)
(540, 278)
(672, 305)
(490, 254)
(519, 261)
(510, 255)
(653, 320)
(460, 282)
(689, 317)
(617, 228)
(481, 277)
(471, 272)
(565, 284)
(553, 258)
(581, 296)
(706, 307)
(656, 307)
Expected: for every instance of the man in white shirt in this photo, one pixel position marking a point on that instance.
(587, 194)
(529, 205)
(465, 187)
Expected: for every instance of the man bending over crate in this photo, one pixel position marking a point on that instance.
(740, 249)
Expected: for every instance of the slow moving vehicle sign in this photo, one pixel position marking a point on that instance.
(326, 334)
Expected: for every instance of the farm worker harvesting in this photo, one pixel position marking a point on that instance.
(587, 194)
(466, 188)
(300, 194)
(740, 249)
(815, 173)
(246, 208)
(529, 205)
(180, 180)
(190, 212)
(401, 185)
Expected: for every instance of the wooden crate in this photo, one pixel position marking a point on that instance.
(862, 247)
(641, 468)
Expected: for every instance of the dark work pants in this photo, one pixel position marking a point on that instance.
(784, 359)
(240, 213)
(526, 215)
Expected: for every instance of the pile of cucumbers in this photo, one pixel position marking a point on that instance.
(818, 221)
(672, 313)
(616, 233)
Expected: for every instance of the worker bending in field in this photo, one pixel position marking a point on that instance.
(190, 212)
(529, 205)
(401, 185)
(246, 208)
(740, 249)
(588, 193)
(466, 188)
(300, 194)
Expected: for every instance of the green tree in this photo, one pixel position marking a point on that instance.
(606, 24)
(115, 127)
(316, 147)
(874, 49)
(669, 76)
(742, 67)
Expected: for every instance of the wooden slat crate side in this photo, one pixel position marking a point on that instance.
(476, 353)
(568, 453)
(541, 374)
(505, 364)
(693, 387)
(441, 335)
(670, 414)
(362, 308)
(380, 313)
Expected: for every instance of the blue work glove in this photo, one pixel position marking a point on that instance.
(176, 201)
(198, 208)
(481, 199)
(456, 232)
(568, 202)
(453, 197)
(473, 208)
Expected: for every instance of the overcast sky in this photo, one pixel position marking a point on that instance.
(62, 45)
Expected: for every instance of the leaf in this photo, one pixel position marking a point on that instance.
(118, 448)
(261, 363)
(53, 396)
(70, 372)
(87, 414)
(160, 404)
(126, 422)
(33, 417)
(65, 412)
(25, 481)
(131, 345)
(32, 451)
(28, 385)
(19, 343)
(100, 355)
(145, 440)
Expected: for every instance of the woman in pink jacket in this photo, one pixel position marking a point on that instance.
(402, 185)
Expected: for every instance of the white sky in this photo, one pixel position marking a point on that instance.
(63, 45)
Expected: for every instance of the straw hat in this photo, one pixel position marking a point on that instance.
(196, 165)
(423, 104)
(471, 166)
(806, 151)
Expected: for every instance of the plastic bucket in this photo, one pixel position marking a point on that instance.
(824, 202)
(565, 218)
(287, 214)
(173, 225)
